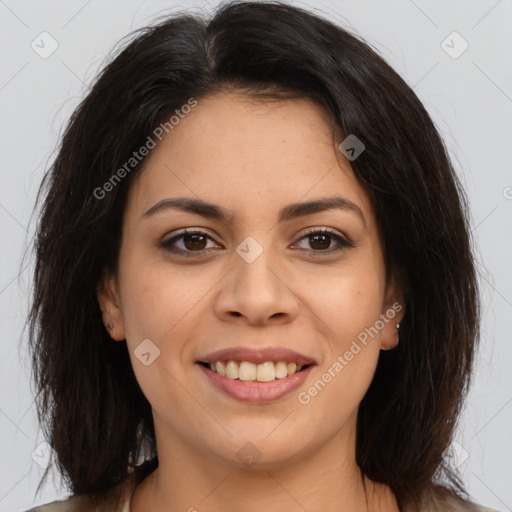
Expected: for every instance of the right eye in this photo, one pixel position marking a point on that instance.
(188, 243)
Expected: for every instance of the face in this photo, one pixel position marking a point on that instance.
(281, 264)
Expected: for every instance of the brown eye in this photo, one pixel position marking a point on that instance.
(194, 242)
(320, 242)
(189, 243)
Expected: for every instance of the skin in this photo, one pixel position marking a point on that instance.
(252, 158)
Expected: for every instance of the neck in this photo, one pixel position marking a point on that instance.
(326, 479)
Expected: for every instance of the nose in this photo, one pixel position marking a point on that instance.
(257, 293)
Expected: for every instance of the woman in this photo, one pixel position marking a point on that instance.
(254, 285)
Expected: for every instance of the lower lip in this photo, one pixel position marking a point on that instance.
(256, 392)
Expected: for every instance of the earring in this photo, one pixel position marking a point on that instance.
(397, 325)
(397, 332)
(111, 329)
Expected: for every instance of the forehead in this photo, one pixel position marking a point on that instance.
(251, 155)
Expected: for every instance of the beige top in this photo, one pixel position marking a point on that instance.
(119, 501)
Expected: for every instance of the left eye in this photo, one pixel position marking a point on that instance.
(321, 241)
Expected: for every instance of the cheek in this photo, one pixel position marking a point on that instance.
(347, 301)
(158, 306)
(164, 305)
(351, 351)
(157, 297)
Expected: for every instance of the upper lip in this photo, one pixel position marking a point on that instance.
(257, 356)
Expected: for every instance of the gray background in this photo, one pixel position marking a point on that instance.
(469, 98)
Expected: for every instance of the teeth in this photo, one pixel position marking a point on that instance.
(281, 370)
(264, 372)
(219, 367)
(232, 370)
(247, 371)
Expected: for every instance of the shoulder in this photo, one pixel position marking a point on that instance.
(450, 507)
(73, 504)
(474, 508)
(478, 508)
(116, 499)
(468, 506)
(442, 499)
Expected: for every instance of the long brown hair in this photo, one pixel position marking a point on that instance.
(95, 416)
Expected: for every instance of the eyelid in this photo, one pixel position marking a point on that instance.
(324, 229)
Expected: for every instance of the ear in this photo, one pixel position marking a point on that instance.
(392, 312)
(111, 312)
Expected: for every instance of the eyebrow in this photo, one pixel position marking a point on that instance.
(289, 212)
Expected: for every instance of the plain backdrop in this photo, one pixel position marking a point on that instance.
(465, 81)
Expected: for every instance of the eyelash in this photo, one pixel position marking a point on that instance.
(167, 245)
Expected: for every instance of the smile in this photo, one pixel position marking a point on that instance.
(247, 371)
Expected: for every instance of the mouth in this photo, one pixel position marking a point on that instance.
(251, 372)
(263, 365)
(256, 376)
